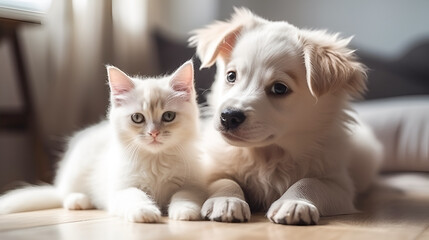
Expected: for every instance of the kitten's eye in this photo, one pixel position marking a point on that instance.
(279, 88)
(168, 116)
(231, 76)
(137, 118)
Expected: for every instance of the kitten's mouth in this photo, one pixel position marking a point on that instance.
(155, 142)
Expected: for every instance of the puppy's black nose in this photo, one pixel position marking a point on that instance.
(231, 118)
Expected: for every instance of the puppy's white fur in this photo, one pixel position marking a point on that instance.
(299, 155)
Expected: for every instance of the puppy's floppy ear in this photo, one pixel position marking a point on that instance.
(330, 65)
(218, 39)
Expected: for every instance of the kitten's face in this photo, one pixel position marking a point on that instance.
(154, 114)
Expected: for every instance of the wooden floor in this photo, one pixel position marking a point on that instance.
(397, 207)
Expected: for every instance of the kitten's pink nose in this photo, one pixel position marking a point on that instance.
(154, 133)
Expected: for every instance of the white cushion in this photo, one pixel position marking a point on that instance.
(402, 125)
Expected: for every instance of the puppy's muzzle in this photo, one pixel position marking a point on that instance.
(231, 118)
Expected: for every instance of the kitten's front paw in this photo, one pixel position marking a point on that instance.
(77, 201)
(226, 209)
(145, 213)
(184, 211)
(293, 212)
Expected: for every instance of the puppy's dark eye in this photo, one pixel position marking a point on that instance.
(231, 76)
(279, 88)
(168, 116)
(137, 118)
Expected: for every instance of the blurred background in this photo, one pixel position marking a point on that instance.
(53, 79)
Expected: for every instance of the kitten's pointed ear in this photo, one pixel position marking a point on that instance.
(183, 79)
(119, 83)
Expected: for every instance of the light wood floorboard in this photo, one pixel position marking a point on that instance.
(397, 207)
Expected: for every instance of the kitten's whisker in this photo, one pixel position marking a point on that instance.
(132, 149)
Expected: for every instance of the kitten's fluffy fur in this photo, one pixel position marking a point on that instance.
(133, 170)
(281, 139)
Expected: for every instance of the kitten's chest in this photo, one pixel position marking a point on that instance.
(162, 180)
(157, 177)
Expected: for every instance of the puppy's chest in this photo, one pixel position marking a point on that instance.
(265, 183)
(265, 175)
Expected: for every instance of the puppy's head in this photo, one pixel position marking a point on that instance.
(275, 80)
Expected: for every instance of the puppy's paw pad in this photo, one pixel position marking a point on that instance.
(77, 201)
(147, 213)
(226, 209)
(293, 212)
(184, 212)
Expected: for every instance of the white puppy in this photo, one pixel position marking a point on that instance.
(282, 137)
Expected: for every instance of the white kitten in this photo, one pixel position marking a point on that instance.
(136, 163)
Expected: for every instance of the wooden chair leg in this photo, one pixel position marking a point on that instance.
(32, 121)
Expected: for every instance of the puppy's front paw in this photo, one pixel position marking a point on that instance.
(184, 211)
(144, 213)
(77, 201)
(226, 209)
(294, 212)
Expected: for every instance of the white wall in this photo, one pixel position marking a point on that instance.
(178, 17)
(382, 27)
